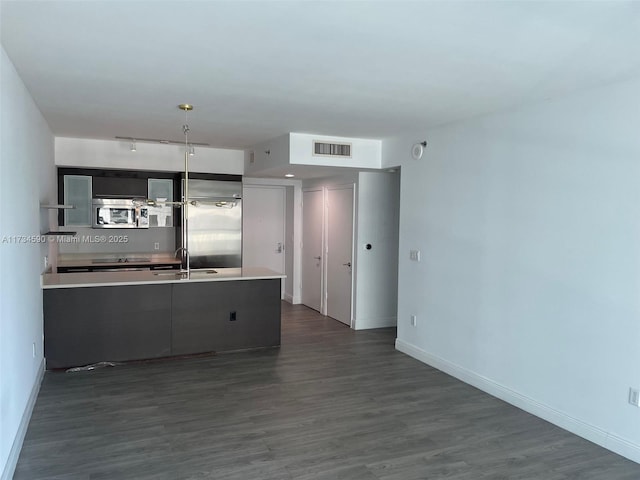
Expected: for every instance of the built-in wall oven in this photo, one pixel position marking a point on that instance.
(120, 213)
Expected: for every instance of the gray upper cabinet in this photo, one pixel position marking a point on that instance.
(77, 192)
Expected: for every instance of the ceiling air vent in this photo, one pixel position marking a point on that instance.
(323, 149)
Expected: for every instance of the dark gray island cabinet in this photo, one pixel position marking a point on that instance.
(121, 317)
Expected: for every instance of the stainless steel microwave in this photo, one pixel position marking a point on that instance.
(119, 213)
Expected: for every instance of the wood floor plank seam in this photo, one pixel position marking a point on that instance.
(330, 403)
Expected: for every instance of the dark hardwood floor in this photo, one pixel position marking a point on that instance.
(331, 403)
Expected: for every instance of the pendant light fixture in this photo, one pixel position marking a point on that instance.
(186, 107)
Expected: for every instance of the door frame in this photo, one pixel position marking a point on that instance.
(327, 219)
(323, 230)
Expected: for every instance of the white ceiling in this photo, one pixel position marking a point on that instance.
(256, 70)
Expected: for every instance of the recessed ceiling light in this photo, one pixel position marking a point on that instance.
(289, 175)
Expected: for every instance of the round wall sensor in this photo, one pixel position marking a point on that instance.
(417, 150)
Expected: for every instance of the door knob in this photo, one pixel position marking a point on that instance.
(348, 264)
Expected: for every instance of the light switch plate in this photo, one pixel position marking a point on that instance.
(414, 255)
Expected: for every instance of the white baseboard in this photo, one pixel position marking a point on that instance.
(293, 300)
(585, 430)
(14, 454)
(375, 322)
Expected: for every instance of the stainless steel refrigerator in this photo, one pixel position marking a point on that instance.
(214, 230)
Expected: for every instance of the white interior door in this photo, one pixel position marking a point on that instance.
(312, 221)
(339, 252)
(263, 227)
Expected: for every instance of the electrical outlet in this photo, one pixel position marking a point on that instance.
(232, 316)
(414, 321)
(634, 396)
(414, 255)
(156, 246)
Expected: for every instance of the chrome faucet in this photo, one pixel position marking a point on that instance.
(184, 257)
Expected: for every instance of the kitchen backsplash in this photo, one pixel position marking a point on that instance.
(90, 240)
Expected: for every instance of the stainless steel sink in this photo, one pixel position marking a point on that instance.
(184, 274)
(121, 260)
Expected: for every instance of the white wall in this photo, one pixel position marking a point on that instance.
(267, 155)
(366, 153)
(529, 227)
(297, 149)
(116, 154)
(376, 275)
(27, 178)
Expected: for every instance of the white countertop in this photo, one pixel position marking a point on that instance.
(150, 277)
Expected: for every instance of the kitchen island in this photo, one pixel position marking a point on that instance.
(119, 316)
